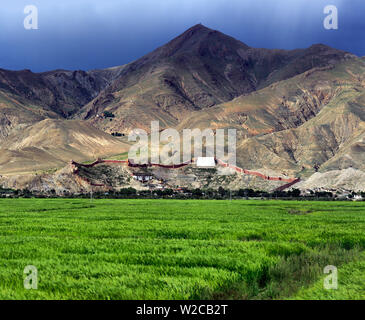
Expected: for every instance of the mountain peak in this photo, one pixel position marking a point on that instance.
(199, 27)
(194, 40)
(197, 31)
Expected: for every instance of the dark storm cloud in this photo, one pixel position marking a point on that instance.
(88, 34)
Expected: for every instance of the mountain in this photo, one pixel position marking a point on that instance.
(195, 71)
(60, 91)
(27, 97)
(53, 143)
(313, 121)
(297, 112)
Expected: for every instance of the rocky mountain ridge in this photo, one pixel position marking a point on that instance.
(297, 112)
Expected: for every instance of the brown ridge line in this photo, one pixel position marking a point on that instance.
(290, 182)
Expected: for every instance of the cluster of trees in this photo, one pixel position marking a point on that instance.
(185, 193)
(108, 114)
(220, 194)
(25, 193)
(118, 134)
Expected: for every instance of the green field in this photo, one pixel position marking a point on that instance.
(170, 249)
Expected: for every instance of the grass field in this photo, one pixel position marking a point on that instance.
(170, 249)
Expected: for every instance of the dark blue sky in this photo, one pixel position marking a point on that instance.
(90, 34)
